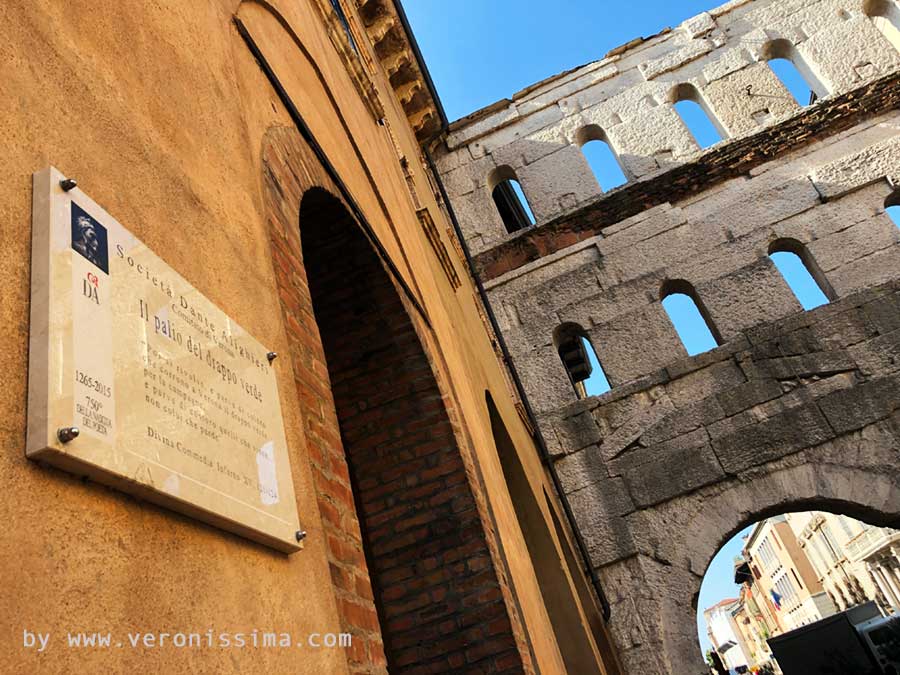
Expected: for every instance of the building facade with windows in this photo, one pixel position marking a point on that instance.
(784, 573)
(725, 635)
(839, 549)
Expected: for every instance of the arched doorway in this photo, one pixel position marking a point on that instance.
(580, 648)
(438, 599)
(792, 578)
(693, 531)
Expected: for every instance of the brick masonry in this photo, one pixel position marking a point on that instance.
(410, 557)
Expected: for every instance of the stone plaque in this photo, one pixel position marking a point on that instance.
(173, 401)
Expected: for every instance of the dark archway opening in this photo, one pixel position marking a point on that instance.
(439, 603)
(575, 643)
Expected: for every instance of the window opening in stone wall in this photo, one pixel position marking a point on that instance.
(885, 14)
(689, 317)
(753, 598)
(580, 361)
(509, 198)
(699, 120)
(892, 207)
(793, 81)
(793, 72)
(600, 157)
(801, 273)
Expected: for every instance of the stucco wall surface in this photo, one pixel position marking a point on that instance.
(159, 111)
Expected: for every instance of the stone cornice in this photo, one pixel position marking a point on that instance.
(397, 51)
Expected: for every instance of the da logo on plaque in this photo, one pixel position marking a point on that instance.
(173, 400)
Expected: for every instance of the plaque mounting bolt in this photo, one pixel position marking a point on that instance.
(66, 434)
(271, 356)
(301, 535)
(68, 184)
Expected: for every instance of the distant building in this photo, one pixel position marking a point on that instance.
(785, 575)
(725, 635)
(756, 616)
(854, 561)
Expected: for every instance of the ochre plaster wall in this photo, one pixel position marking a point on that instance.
(159, 110)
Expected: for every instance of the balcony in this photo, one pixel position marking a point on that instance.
(870, 541)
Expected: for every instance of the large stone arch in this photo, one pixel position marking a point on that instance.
(655, 592)
(797, 414)
(707, 520)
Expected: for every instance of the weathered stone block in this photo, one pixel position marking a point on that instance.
(579, 431)
(748, 394)
(854, 242)
(599, 510)
(878, 356)
(636, 344)
(580, 469)
(884, 312)
(778, 436)
(706, 382)
(672, 474)
(631, 430)
(865, 403)
(683, 420)
(746, 297)
(843, 329)
(817, 363)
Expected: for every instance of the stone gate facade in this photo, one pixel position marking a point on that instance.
(793, 409)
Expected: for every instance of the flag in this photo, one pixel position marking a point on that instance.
(776, 599)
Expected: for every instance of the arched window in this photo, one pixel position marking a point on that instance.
(509, 199)
(892, 207)
(601, 157)
(696, 115)
(580, 360)
(689, 316)
(801, 273)
(792, 70)
(885, 14)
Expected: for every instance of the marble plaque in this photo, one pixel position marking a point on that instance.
(173, 401)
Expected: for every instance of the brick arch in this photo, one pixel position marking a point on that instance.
(410, 557)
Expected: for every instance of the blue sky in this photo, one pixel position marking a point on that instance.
(718, 583)
(481, 51)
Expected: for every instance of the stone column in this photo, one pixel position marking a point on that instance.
(879, 582)
(891, 582)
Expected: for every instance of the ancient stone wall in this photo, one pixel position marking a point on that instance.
(627, 97)
(675, 428)
(790, 414)
(794, 409)
(718, 241)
